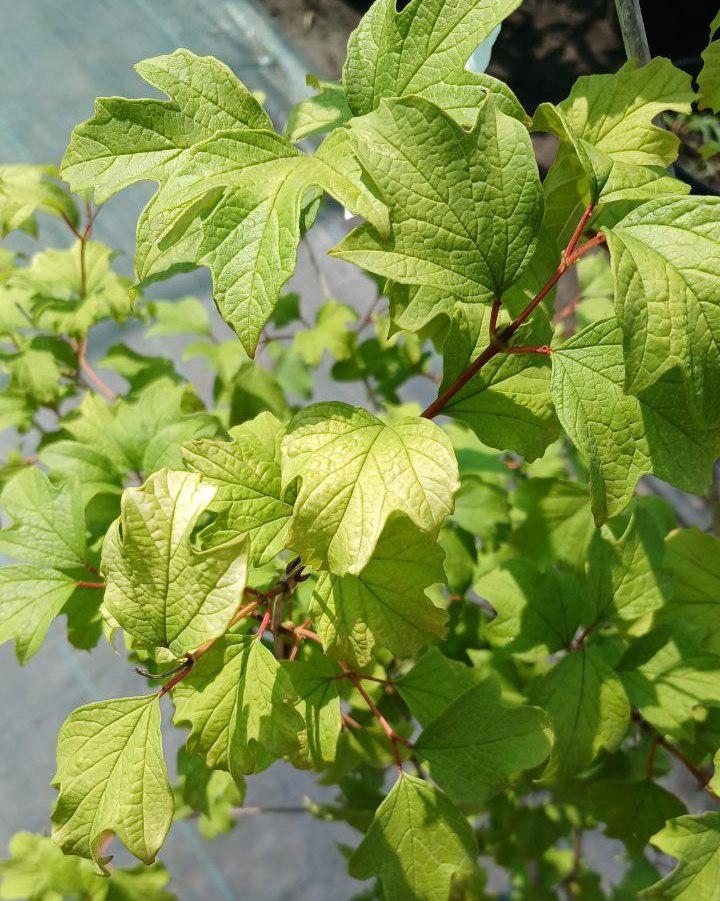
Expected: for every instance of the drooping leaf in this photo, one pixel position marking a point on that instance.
(621, 435)
(422, 50)
(30, 599)
(536, 611)
(465, 206)
(315, 683)
(666, 262)
(477, 744)
(695, 842)
(206, 700)
(160, 588)
(267, 723)
(111, 778)
(355, 471)
(48, 526)
(508, 403)
(385, 605)
(246, 474)
(588, 710)
(417, 841)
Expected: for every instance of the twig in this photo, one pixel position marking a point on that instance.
(395, 739)
(499, 343)
(702, 778)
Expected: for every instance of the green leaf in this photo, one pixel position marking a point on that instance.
(140, 436)
(330, 333)
(30, 599)
(206, 699)
(384, 605)
(210, 793)
(596, 289)
(25, 190)
(422, 50)
(49, 521)
(315, 683)
(37, 368)
(246, 474)
(588, 710)
(694, 560)
(39, 871)
(465, 206)
(67, 302)
(623, 436)
(536, 611)
(267, 723)
(111, 778)
(417, 841)
(132, 140)
(433, 684)
(632, 811)
(355, 471)
(187, 316)
(255, 187)
(708, 79)
(232, 192)
(139, 370)
(695, 841)
(507, 404)
(667, 677)
(670, 244)
(320, 113)
(160, 588)
(626, 574)
(554, 522)
(611, 149)
(476, 744)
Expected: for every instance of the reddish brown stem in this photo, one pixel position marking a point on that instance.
(392, 735)
(263, 625)
(530, 349)
(90, 373)
(700, 777)
(494, 313)
(572, 244)
(90, 584)
(500, 343)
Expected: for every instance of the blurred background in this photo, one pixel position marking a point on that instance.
(55, 58)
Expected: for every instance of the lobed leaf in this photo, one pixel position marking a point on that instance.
(355, 471)
(111, 778)
(160, 589)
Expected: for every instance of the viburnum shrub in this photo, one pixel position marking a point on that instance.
(465, 619)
